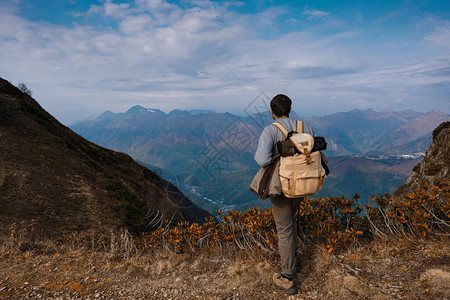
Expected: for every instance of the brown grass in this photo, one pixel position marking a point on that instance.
(382, 269)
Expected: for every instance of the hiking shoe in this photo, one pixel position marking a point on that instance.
(284, 284)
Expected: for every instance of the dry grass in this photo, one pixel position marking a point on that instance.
(438, 280)
(381, 269)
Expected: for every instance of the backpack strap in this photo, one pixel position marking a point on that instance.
(299, 125)
(281, 127)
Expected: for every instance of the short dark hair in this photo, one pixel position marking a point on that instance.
(281, 105)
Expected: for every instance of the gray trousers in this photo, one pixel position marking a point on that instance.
(284, 214)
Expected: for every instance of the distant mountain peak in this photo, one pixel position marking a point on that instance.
(362, 110)
(177, 112)
(137, 107)
(437, 112)
(106, 114)
(141, 109)
(201, 111)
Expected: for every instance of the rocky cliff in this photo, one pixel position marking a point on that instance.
(435, 165)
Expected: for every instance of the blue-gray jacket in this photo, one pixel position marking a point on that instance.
(267, 145)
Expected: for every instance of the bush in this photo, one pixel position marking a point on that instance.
(24, 89)
(422, 212)
(334, 222)
(438, 129)
(132, 211)
(432, 170)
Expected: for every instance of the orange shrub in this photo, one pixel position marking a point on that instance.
(422, 211)
(333, 221)
(252, 229)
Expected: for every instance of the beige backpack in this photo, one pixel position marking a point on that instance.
(301, 174)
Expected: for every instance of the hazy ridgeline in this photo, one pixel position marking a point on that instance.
(209, 156)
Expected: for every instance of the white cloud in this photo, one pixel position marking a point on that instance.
(313, 13)
(136, 24)
(93, 9)
(155, 4)
(108, 9)
(115, 10)
(165, 56)
(440, 35)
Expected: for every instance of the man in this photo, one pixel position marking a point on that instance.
(283, 208)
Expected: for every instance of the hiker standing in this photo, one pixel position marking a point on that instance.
(283, 208)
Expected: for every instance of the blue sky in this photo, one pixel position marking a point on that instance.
(81, 58)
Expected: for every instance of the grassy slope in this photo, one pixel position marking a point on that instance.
(59, 182)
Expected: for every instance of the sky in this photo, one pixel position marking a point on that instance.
(80, 58)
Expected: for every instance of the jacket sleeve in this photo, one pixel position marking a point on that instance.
(263, 155)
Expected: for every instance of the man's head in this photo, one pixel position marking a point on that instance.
(281, 105)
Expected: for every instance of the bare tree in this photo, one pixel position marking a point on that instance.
(21, 86)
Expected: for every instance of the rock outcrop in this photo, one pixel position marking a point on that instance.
(436, 163)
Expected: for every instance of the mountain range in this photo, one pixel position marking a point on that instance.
(209, 155)
(347, 133)
(54, 182)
